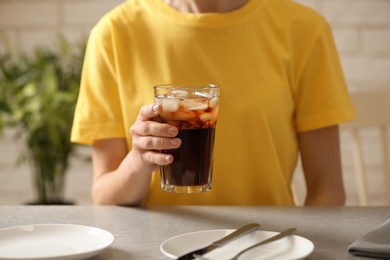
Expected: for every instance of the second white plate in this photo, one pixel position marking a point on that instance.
(53, 241)
(289, 248)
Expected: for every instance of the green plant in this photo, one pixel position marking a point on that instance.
(38, 93)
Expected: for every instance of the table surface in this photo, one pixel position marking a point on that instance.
(140, 231)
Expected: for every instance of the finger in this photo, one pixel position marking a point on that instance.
(149, 111)
(156, 143)
(158, 158)
(151, 128)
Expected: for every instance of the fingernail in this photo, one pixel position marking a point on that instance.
(167, 158)
(172, 131)
(175, 142)
(155, 108)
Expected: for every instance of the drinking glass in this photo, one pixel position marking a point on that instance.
(193, 109)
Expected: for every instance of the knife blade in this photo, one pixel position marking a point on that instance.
(242, 231)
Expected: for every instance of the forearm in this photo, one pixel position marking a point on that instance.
(114, 189)
(335, 197)
(324, 180)
(125, 185)
(321, 162)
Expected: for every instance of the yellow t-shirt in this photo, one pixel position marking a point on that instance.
(274, 60)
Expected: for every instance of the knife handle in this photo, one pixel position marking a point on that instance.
(242, 231)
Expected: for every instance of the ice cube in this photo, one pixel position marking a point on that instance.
(214, 112)
(206, 117)
(195, 104)
(167, 116)
(180, 94)
(214, 102)
(185, 116)
(169, 104)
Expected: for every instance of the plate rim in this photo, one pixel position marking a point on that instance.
(172, 256)
(89, 253)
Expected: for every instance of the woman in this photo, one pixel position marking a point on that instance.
(282, 93)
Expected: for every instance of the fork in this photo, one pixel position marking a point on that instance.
(282, 234)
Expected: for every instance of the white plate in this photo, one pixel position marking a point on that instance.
(53, 241)
(293, 247)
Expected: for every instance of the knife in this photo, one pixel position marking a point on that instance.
(242, 231)
(282, 234)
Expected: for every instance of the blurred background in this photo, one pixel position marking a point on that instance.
(361, 29)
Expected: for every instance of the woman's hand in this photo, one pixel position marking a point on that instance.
(122, 177)
(149, 137)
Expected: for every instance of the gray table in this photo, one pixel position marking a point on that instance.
(140, 231)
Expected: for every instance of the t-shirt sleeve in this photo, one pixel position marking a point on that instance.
(322, 97)
(98, 112)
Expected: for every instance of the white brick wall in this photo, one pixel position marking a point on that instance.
(38, 22)
(361, 29)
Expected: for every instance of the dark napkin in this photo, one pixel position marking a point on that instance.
(375, 243)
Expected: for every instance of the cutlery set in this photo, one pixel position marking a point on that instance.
(245, 230)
